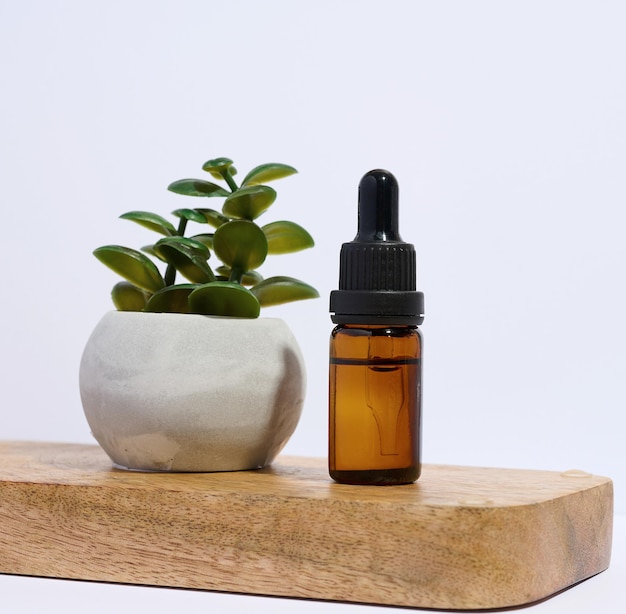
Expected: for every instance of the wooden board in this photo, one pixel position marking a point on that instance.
(460, 538)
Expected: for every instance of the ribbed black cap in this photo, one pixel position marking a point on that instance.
(377, 271)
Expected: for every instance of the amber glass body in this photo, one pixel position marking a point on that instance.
(375, 403)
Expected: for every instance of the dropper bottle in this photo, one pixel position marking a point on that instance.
(375, 392)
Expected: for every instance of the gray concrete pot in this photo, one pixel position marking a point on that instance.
(183, 392)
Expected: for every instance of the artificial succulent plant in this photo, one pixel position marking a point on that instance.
(233, 287)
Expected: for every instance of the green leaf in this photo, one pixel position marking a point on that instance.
(173, 299)
(249, 203)
(152, 221)
(205, 238)
(197, 187)
(286, 237)
(241, 245)
(190, 214)
(149, 249)
(191, 242)
(250, 278)
(214, 218)
(268, 172)
(224, 298)
(132, 265)
(218, 166)
(278, 290)
(127, 297)
(187, 256)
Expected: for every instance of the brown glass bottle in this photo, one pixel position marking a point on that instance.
(375, 379)
(375, 404)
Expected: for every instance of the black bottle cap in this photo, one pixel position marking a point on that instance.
(377, 271)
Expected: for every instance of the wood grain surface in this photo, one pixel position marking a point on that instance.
(460, 538)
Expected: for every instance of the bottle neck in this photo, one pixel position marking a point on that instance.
(376, 327)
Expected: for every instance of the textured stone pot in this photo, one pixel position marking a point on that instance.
(183, 392)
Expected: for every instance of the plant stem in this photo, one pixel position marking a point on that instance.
(170, 272)
(236, 275)
(229, 180)
(182, 226)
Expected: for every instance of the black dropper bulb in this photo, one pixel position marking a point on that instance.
(377, 270)
(378, 207)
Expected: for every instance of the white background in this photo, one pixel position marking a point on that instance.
(504, 123)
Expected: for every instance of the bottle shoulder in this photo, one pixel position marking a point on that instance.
(365, 342)
(375, 330)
